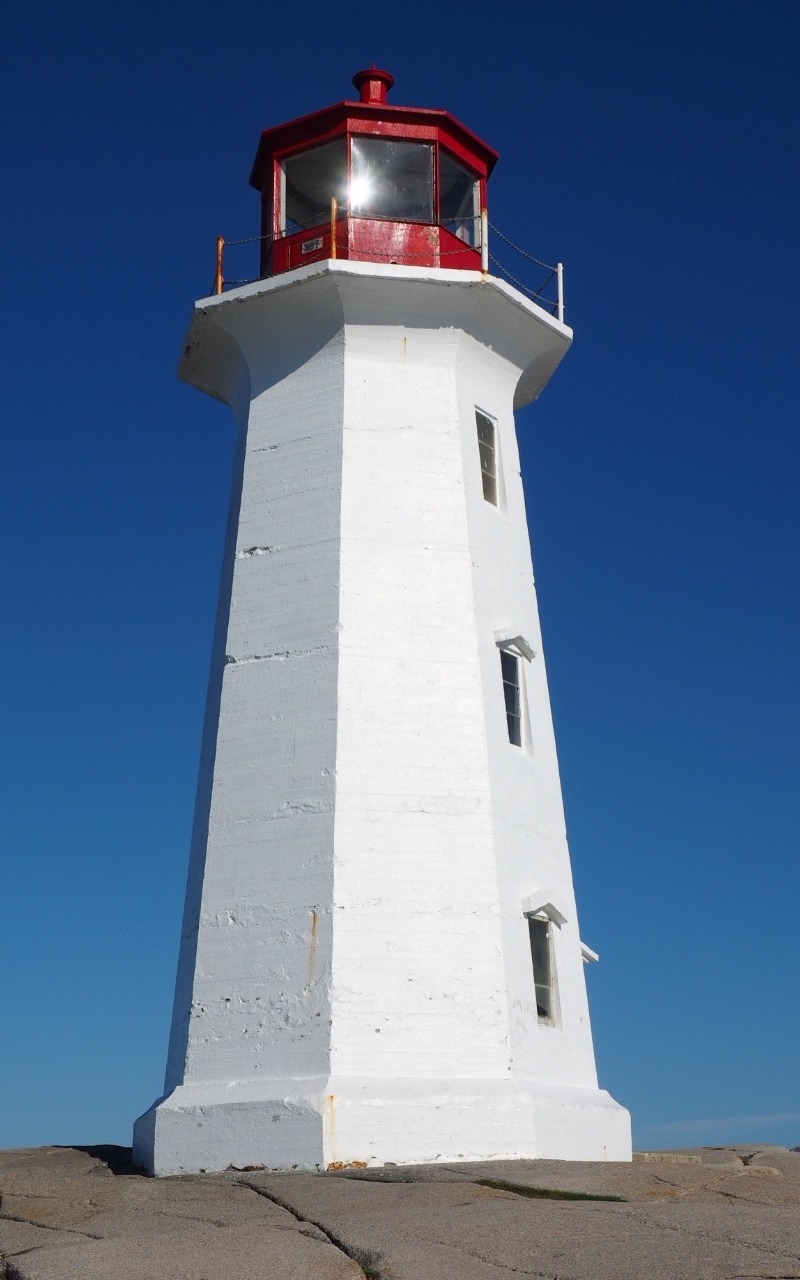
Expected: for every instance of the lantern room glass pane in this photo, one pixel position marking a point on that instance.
(391, 180)
(310, 181)
(459, 199)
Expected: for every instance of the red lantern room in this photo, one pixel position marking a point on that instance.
(372, 182)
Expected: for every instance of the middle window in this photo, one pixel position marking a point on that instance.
(509, 663)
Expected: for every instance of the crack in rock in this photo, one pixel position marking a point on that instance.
(369, 1260)
(733, 1195)
(46, 1226)
(669, 1183)
(500, 1266)
(694, 1234)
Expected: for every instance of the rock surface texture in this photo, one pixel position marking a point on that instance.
(708, 1214)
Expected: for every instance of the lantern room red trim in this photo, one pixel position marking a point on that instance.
(408, 241)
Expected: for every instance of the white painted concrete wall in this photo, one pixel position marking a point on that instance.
(355, 978)
(529, 828)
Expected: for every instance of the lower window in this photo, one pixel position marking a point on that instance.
(543, 975)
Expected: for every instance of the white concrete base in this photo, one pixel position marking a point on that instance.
(319, 1124)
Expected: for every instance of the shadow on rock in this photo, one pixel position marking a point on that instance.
(118, 1159)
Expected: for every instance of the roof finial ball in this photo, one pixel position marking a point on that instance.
(373, 85)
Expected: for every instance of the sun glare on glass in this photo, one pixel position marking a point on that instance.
(361, 190)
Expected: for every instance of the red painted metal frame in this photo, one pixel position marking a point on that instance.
(360, 238)
(410, 244)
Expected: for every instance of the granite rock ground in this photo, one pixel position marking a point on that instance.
(721, 1213)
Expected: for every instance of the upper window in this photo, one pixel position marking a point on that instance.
(391, 179)
(512, 691)
(310, 181)
(487, 447)
(459, 199)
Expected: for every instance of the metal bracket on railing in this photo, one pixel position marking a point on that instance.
(484, 242)
(560, 282)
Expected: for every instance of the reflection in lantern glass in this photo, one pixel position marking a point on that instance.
(361, 191)
(399, 177)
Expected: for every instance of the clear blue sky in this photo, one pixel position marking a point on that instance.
(653, 149)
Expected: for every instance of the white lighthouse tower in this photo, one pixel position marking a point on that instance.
(380, 958)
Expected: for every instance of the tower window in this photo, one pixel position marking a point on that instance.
(509, 665)
(542, 957)
(487, 447)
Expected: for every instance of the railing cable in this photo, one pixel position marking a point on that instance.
(548, 266)
(374, 255)
(536, 295)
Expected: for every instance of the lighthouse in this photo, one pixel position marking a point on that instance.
(380, 958)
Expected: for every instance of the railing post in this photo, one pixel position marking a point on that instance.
(333, 226)
(484, 241)
(218, 276)
(560, 279)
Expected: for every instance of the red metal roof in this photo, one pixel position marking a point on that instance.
(372, 116)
